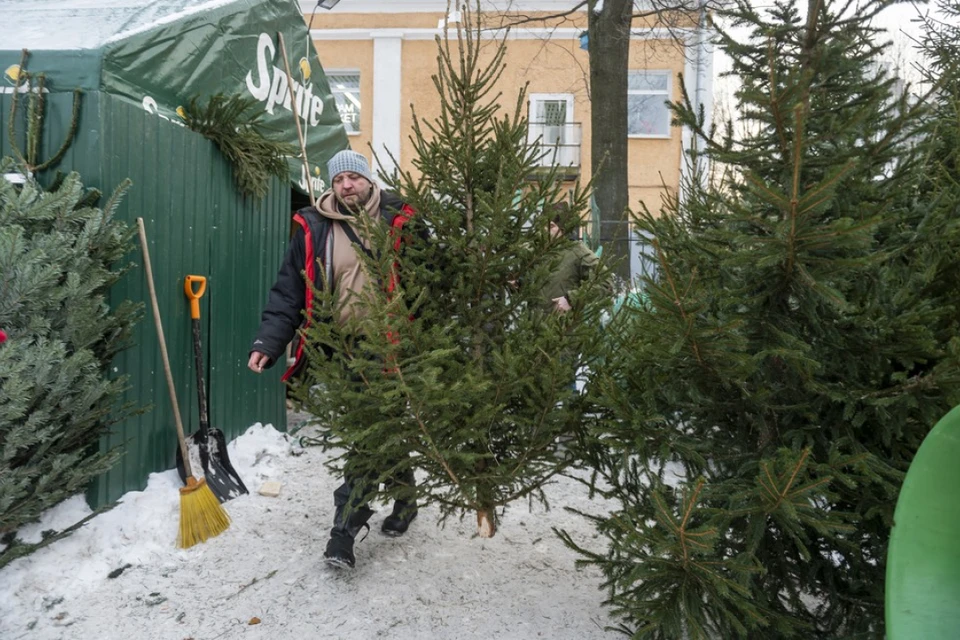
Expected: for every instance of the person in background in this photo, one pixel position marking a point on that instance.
(328, 240)
(576, 264)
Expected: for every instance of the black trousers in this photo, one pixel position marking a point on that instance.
(363, 487)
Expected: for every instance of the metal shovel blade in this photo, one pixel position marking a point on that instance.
(211, 456)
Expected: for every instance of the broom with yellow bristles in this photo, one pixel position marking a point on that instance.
(201, 515)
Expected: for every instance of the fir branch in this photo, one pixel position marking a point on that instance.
(35, 117)
(36, 100)
(18, 549)
(678, 300)
(777, 493)
(426, 433)
(235, 124)
(71, 132)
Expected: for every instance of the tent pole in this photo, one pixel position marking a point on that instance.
(296, 119)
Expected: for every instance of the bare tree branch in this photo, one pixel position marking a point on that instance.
(679, 7)
(521, 18)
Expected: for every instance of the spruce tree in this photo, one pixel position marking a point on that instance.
(459, 364)
(57, 397)
(756, 418)
(59, 256)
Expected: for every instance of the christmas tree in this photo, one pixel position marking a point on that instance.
(58, 259)
(456, 361)
(756, 420)
(56, 397)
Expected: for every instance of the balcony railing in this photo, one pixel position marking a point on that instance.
(558, 146)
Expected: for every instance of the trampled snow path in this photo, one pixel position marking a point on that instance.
(432, 583)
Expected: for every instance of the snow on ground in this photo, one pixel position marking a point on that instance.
(432, 583)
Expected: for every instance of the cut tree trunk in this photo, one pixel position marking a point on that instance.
(486, 525)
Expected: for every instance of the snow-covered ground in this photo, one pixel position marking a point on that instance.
(121, 575)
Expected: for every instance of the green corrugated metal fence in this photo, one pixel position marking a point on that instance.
(197, 223)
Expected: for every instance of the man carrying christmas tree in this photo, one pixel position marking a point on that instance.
(326, 249)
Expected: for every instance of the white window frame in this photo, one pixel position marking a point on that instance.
(552, 97)
(667, 95)
(336, 92)
(532, 137)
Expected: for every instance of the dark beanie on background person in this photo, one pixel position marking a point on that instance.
(351, 161)
(561, 216)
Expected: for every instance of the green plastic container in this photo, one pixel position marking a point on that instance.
(923, 561)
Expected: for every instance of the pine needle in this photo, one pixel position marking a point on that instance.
(201, 514)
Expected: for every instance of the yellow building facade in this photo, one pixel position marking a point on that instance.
(379, 56)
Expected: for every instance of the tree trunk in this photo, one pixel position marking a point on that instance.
(486, 525)
(609, 46)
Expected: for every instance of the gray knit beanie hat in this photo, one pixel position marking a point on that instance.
(348, 160)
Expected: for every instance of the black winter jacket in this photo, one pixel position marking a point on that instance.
(307, 256)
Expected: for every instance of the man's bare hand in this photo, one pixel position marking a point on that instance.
(561, 304)
(258, 361)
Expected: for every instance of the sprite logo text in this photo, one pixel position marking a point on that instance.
(270, 85)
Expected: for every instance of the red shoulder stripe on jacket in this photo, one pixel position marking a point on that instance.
(310, 265)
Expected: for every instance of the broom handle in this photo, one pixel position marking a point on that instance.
(163, 348)
(296, 119)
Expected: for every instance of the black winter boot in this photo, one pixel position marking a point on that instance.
(396, 523)
(339, 551)
(405, 507)
(340, 546)
(345, 527)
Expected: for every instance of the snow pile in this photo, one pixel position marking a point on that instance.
(121, 575)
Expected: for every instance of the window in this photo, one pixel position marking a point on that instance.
(551, 127)
(647, 113)
(345, 86)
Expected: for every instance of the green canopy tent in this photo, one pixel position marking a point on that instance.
(135, 62)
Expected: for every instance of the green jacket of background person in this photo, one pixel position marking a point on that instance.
(576, 265)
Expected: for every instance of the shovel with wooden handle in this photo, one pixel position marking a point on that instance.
(207, 445)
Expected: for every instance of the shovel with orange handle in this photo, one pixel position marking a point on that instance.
(207, 445)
